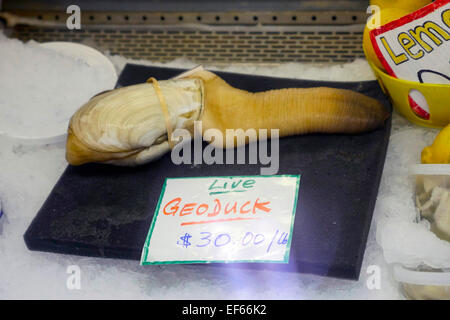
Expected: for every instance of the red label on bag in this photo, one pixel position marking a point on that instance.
(416, 47)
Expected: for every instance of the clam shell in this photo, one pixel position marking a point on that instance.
(127, 126)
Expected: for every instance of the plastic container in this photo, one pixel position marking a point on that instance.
(428, 283)
(437, 97)
(91, 57)
(432, 196)
(423, 284)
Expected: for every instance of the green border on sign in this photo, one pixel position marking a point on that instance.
(144, 254)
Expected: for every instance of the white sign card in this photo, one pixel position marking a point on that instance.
(223, 219)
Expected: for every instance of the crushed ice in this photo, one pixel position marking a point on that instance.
(41, 88)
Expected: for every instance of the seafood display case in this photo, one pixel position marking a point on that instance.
(106, 197)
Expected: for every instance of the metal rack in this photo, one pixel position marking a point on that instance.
(309, 32)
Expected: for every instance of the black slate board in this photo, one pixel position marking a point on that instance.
(105, 211)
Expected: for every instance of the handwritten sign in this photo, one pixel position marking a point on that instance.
(416, 47)
(223, 219)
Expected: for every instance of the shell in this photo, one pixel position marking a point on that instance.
(127, 126)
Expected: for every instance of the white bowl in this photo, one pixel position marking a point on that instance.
(90, 56)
